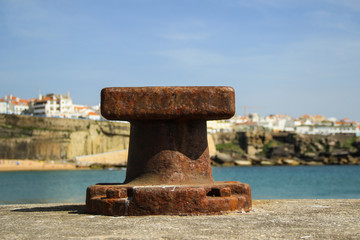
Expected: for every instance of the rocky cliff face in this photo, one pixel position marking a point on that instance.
(253, 142)
(265, 148)
(27, 137)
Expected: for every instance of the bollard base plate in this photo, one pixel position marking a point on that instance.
(129, 200)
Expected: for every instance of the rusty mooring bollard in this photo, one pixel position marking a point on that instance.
(168, 168)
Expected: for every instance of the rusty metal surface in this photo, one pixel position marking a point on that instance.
(168, 168)
(161, 103)
(168, 152)
(129, 200)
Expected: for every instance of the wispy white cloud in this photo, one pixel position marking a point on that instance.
(193, 57)
(263, 4)
(186, 30)
(39, 20)
(27, 19)
(351, 4)
(186, 36)
(329, 19)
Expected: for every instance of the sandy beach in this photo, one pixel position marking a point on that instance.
(33, 165)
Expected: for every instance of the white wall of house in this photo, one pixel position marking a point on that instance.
(267, 123)
(46, 107)
(94, 116)
(19, 108)
(219, 126)
(327, 130)
(304, 129)
(14, 105)
(3, 107)
(66, 106)
(278, 123)
(255, 117)
(54, 106)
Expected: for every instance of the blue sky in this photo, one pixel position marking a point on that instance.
(281, 56)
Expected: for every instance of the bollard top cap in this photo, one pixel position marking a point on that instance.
(167, 103)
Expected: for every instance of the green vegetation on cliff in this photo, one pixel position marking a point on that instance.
(350, 143)
(231, 147)
(268, 146)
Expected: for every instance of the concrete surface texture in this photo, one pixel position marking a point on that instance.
(270, 219)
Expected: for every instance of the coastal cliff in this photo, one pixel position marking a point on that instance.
(39, 138)
(267, 148)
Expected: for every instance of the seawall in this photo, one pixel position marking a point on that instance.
(40, 138)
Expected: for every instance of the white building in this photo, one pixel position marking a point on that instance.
(237, 120)
(82, 111)
(14, 105)
(327, 130)
(46, 106)
(53, 105)
(3, 106)
(96, 108)
(93, 116)
(220, 126)
(255, 117)
(19, 107)
(304, 129)
(278, 123)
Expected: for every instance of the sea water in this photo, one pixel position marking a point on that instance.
(275, 182)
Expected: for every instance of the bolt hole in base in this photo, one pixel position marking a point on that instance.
(130, 192)
(214, 193)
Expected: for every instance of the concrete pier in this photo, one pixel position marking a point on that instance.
(270, 219)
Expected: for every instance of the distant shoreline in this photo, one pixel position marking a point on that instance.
(13, 165)
(9, 165)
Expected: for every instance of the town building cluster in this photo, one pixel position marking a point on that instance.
(305, 124)
(62, 106)
(50, 105)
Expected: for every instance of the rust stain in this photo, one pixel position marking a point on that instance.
(165, 103)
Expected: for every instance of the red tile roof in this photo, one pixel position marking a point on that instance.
(305, 116)
(45, 99)
(93, 114)
(80, 107)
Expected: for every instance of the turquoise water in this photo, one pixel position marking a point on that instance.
(276, 182)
